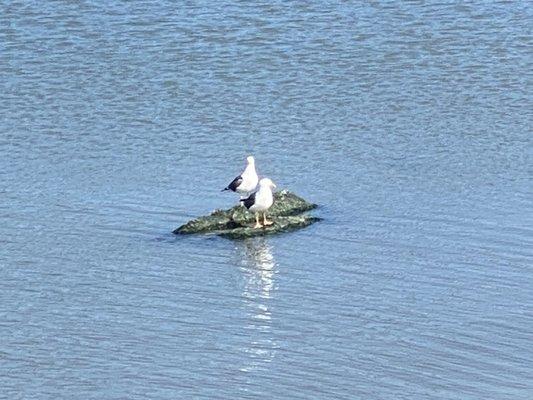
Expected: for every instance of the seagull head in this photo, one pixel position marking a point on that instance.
(267, 182)
(250, 159)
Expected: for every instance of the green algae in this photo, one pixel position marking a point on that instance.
(281, 224)
(237, 222)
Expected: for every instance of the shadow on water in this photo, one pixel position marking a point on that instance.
(257, 263)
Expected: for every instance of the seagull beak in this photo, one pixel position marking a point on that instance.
(274, 185)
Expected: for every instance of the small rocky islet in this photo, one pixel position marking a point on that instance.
(289, 212)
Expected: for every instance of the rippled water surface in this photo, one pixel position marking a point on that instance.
(409, 124)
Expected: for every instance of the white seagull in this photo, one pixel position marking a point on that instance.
(245, 182)
(261, 201)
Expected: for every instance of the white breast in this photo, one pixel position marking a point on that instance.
(263, 200)
(249, 180)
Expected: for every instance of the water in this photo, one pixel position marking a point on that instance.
(408, 123)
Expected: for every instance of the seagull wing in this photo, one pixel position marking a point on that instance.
(250, 200)
(234, 184)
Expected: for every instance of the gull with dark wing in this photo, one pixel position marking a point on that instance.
(246, 182)
(261, 201)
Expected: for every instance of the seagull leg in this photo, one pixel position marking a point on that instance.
(257, 224)
(265, 221)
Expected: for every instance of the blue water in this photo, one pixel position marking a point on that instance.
(410, 124)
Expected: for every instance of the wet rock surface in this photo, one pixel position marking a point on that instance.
(287, 213)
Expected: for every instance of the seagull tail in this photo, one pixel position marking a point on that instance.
(223, 190)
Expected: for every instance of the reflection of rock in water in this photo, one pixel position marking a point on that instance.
(258, 264)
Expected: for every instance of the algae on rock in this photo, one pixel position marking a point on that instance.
(281, 224)
(235, 222)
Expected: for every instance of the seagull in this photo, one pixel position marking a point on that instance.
(261, 201)
(246, 182)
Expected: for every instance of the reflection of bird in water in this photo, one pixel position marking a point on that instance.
(258, 264)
